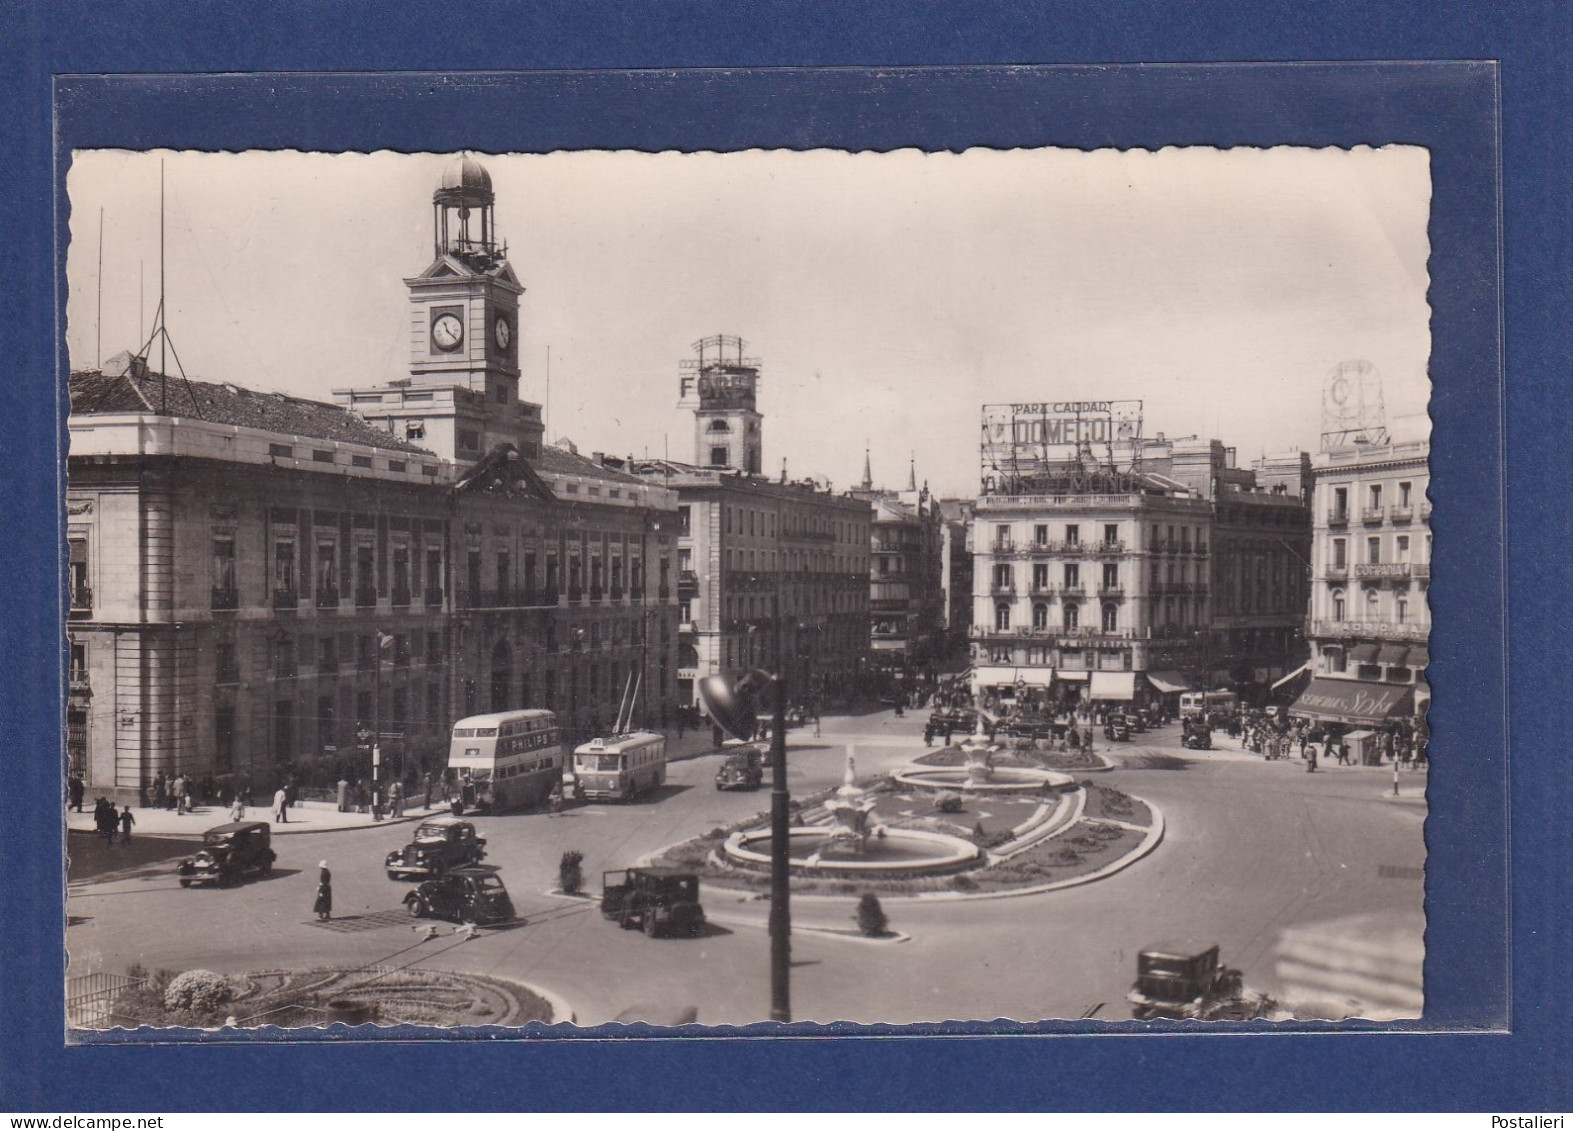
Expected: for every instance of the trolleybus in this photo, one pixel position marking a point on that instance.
(619, 767)
(511, 758)
(1205, 704)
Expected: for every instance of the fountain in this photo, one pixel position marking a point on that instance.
(979, 774)
(850, 847)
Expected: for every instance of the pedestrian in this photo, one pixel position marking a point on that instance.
(426, 785)
(237, 811)
(324, 905)
(77, 789)
(396, 798)
(160, 790)
(183, 796)
(1310, 766)
(376, 801)
(291, 792)
(928, 734)
(280, 807)
(126, 821)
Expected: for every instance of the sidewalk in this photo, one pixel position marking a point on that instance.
(305, 817)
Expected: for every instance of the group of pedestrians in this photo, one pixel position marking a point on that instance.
(109, 822)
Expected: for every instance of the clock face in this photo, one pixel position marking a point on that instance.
(502, 332)
(447, 332)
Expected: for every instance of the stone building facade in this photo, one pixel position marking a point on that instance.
(261, 583)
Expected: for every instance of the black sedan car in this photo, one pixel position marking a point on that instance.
(228, 853)
(465, 895)
(440, 844)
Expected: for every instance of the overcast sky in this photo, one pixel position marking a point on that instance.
(888, 295)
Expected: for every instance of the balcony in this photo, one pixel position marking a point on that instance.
(286, 599)
(1338, 517)
(327, 598)
(1002, 546)
(434, 598)
(1073, 589)
(1403, 513)
(1111, 591)
(687, 626)
(1071, 548)
(1336, 573)
(636, 594)
(224, 600)
(1420, 571)
(1201, 549)
(596, 594)
(1370, 630)
(1005, 589)
(365, 597)
(81, 600)
(1425, 512)
(1042, 591)
(401, 597)
(1372, 516)
(1109, 547)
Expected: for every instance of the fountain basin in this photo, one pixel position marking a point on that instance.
(899, 854)
(1001, 779)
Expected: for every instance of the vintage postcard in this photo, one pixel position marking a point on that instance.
(720, 588)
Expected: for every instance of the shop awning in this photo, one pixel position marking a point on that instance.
(1168, 682)
(1294, 675)
(1075, 677)
(1001, 676)
(1420, 658)
(1394, 654)
(1351, 701)
(1113, 685)
(1364, 653)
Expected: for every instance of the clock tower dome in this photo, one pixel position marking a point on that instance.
(461, 398)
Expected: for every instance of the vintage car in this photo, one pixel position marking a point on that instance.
(440, 844)
(228, 852)
(1196, 735)
(1116, 728)
(1184, 982)
(464, 895)
(742, 769)
(656, 900)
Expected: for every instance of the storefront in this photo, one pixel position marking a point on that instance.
(1353, 702)
(1167, 687)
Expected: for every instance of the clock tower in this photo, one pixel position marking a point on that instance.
(721, 386)
(462, 396)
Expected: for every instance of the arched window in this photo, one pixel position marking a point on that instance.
(1339, 608)
(1111, 617)
(1002, 617)
(1072, 614)
(719, 426)
(1040, 615)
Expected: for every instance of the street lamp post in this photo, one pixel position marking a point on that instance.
(780, 886)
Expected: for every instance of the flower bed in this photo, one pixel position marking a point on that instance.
(1107, 803)
(297, 999)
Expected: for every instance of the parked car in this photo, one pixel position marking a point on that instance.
(742, 768)
(656, 900)
(440, 844)
(1117, 729)
(228, 852)
(464, 895)
(1196, 735)
(1183, 982)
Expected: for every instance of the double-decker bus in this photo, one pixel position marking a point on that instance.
(620, 767)
(511, 758)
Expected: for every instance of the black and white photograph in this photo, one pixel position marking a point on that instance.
(713, 588)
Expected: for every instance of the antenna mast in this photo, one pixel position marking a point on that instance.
(160, 329)
(98, 329)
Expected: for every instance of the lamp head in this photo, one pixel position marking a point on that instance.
(735, 707)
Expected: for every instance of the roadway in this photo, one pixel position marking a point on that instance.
(1251, 848)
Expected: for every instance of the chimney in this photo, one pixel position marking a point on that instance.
(599, 458)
